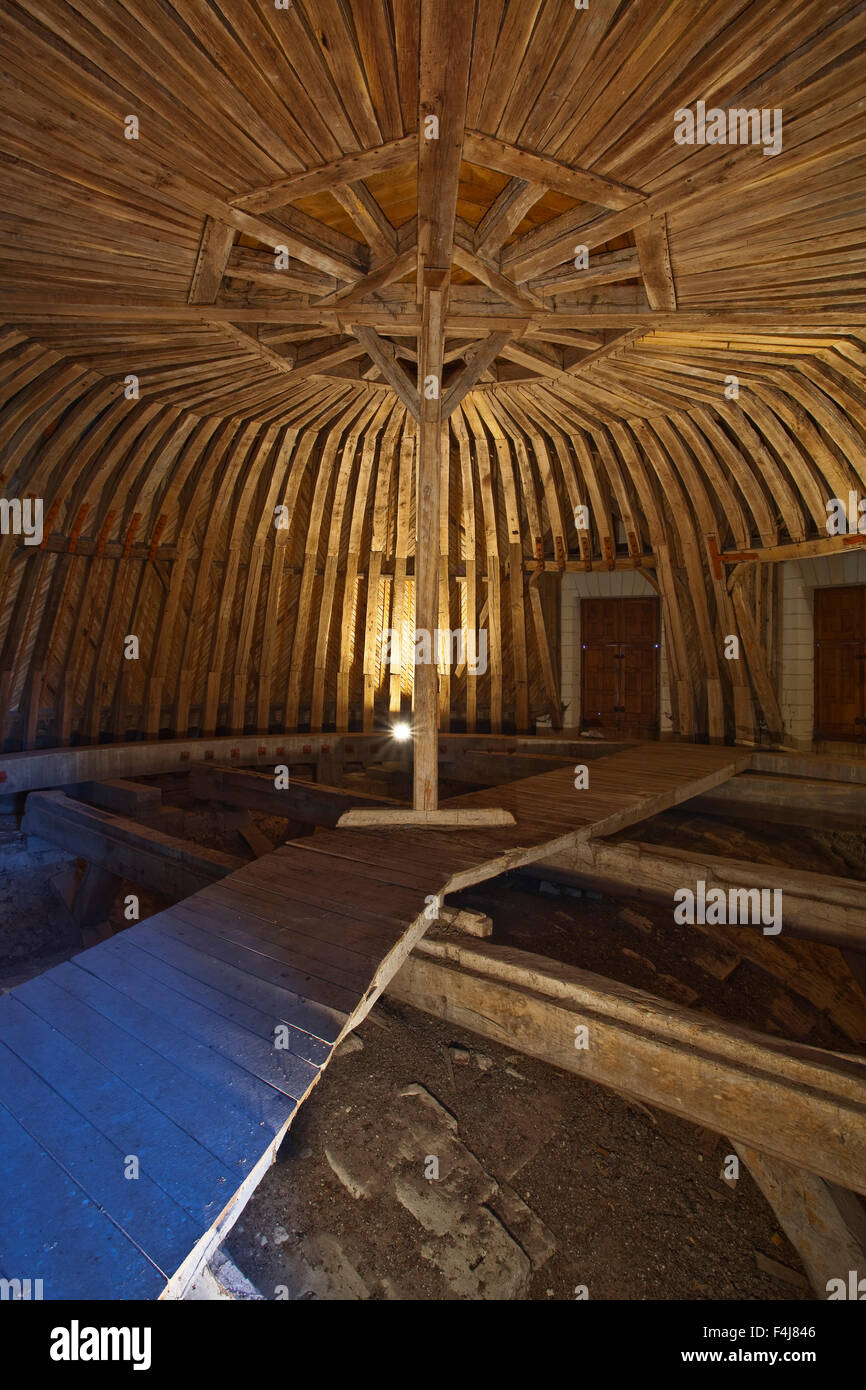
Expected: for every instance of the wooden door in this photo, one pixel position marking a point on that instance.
(840, 663)
(619, 664)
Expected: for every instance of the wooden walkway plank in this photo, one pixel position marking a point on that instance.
(59, 1235)
(96, 1165)
(220, 986)
(318, 1020)
(162, 1039)
(177, 1162)
(282, 1070)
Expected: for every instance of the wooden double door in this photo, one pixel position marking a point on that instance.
(840, 663)
(619, 664)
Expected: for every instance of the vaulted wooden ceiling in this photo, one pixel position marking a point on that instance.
(297, 132)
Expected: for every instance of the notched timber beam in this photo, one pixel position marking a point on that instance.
(384, 355)
(214, 251)
(651, 238)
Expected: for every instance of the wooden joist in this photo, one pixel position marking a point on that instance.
(162, 863)
(801, 1105)
(789, 801)
(308, 802)
(133, 799)
(820, 907)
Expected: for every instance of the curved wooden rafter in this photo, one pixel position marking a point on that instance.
(261, 388)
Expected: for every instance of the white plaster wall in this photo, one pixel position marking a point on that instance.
(797, 675)
(603, 584)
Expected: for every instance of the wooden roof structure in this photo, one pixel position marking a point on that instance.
(237, 240)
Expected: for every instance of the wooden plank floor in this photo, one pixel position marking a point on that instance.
(188, 1041)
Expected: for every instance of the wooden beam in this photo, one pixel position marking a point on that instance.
(548, 671)
(311, 803)
(825, 1223)
(321, 362)
(446, 45)
(377, 279)
(493, 278)
(259, 268)
(605, 270)
(586, 187)
(793, 550)
(789, 801)
(252, 344)
(133, 799)
(214, 250)
(468, 315)
(818, 907)
(756, 657)
(477, 360)
(796, 1103)
(348, 168)
(505, 215)
(651, 239)
(427, 523)
(357, 200)
(442, 820)
(166, 865)
(385, 357)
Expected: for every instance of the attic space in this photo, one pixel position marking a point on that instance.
(433, 666)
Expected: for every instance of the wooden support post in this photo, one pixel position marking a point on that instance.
(446, 43)
(825, 1223)
(426, 788)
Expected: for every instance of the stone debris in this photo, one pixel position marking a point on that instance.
(347, 1169)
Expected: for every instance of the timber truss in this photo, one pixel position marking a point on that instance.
(507, 267)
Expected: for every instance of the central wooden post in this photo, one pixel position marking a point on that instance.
(426, 734)
(446, 46)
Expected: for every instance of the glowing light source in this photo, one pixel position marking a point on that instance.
(401, 732)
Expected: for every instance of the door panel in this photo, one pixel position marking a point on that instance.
(619, 666)
(600, 686)
(840, 663)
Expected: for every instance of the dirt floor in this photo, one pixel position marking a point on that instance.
(549, 1187)
(433, 1164)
